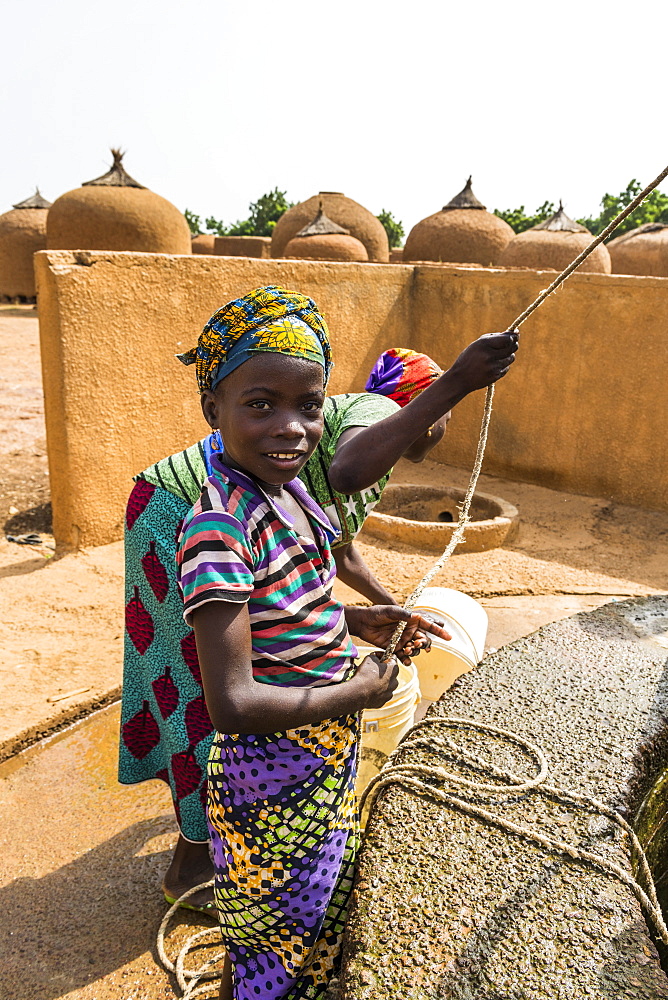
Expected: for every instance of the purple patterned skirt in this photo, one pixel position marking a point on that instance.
(284, 832)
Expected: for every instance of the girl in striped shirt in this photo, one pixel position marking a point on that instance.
(277, 662)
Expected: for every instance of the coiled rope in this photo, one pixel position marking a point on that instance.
(436, 783)
(188, 979)
(410, 776)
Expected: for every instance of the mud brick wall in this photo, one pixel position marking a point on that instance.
(585, 409)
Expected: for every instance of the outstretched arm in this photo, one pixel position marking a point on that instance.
(351, 568)
(365, 454)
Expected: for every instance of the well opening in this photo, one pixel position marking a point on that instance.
(425, 516)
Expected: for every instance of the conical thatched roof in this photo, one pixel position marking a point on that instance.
(560, 223)
(34, 201)
(465, 199)
(22, 233)
(322, 225)
(554, 244)
(116, 176)
(463, 232)
(115, 212)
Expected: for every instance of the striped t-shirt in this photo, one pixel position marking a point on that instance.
(237, 544)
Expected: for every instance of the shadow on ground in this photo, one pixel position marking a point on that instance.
(89, 918)
(37, 518)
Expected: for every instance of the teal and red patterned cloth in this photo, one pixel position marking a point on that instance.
(166, 732)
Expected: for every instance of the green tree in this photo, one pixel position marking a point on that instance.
(392, 226)
(519, 221)
(216, 226)
(194, 222)
(263, 216)
(265, 213)
(653, 209)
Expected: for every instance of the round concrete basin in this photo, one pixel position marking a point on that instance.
(425, 517)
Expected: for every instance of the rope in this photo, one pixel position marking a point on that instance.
(465, 508)
(188, 979)
(419, 779)
(406, 775)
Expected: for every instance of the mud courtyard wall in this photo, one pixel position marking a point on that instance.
(116, 399)
(585, 409)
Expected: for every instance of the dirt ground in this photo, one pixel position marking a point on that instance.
(24, 480)
(81, 858)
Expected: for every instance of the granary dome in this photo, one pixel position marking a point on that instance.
(323, 239)
(555, 243)
(115, 212)
(642, 251)
(463, 232)
(22, 233)
(347, 213)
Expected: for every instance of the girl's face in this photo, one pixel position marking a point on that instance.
(269, 411)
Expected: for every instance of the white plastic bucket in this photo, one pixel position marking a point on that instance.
(466, 621)
(382, 728)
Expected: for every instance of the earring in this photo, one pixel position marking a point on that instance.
(430, 431)
(214, 443)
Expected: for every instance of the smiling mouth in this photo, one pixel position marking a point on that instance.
(285, 456)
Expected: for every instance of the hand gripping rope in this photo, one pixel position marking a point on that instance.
(423, 779)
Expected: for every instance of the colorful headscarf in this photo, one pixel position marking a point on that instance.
(267, 319)
(402, 374)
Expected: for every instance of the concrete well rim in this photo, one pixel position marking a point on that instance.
(480, 535)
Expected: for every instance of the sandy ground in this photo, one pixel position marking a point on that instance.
(82, 857)
(24, 479)
(81, 860)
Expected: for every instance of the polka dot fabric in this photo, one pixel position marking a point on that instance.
(284, 835)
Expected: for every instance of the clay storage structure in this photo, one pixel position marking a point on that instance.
(554, 244)
(323, 239)
(463, 232)
(642, 251)
(345, 212)
(115, 212)
(22, 233)
(203, 243)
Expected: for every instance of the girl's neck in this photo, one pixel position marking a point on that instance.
(270, 488)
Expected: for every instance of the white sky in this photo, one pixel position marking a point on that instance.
(393, 103)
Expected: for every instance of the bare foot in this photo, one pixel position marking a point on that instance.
(226, 990)
(190, 866)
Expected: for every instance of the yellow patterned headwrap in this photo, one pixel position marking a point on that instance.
(267, 319)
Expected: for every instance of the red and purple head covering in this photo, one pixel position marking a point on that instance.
(402, 374)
